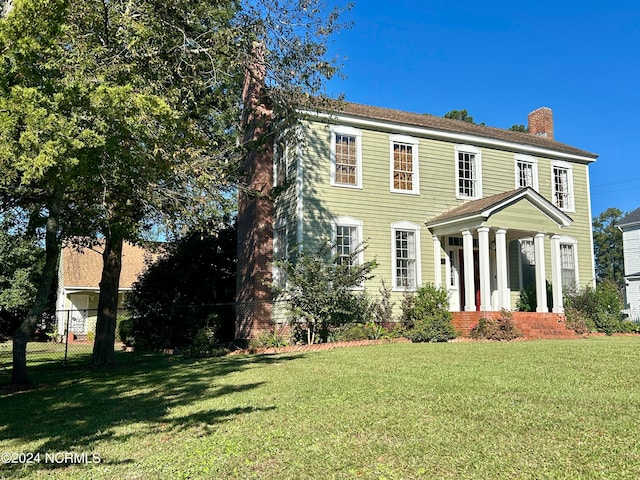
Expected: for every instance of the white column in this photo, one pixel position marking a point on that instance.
(485, 270)
(501, 269)
(556, 274)
(469, 286)
(437, 263)
(541, 285)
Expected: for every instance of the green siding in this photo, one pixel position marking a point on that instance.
(377, 207)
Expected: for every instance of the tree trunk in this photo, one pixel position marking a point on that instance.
(19, 374)
(103, 348)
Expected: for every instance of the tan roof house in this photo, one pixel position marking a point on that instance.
(78, 283)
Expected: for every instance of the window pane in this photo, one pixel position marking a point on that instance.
(402, 166)
(466, 174)
(561, 187)
(405, 259)
(346, 159)
(346, 243)
(525, 174)
(568, 266)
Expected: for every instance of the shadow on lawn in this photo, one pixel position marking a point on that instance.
(78, 407)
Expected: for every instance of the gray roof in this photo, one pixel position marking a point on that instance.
(630, 218)
(455, 126)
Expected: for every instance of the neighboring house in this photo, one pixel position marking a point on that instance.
(78, 284)
(630, 226)
(481, 211)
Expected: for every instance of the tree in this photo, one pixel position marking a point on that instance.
(320, 290)
(21, 262)
(139, 107)
(518, 128)
(462, 115)
(180, 293)
(607, 246)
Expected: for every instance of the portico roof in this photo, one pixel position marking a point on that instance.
(523, 209)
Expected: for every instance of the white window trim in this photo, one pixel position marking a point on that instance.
(277, 273)
(518, 157)
(405, 226)
(348, 222)
(564, 240)
(556, 164)
(478, 156)
(342, 130)
(404, 139)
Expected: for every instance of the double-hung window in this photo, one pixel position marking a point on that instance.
(347, 240)
(568, 264)
(562, 184)
(526, 171)
(346, 157)
(406, 255)
(280, 252)
(404, 164)
(468, 172)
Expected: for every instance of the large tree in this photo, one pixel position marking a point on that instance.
(607, 246)
(139, 103)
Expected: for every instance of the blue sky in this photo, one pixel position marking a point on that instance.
(502, 59)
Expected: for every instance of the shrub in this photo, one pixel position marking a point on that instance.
(578, 321)
(434, 328)
(501, 328)
(204, 344)
(320, 292)
(358, 331)
(383, 306)
(268, 339)
(601, 308)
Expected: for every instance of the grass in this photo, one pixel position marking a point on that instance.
(543, 409)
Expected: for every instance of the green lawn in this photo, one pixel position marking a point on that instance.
(539, 409)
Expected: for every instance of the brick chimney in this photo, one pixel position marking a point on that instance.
(541, 122)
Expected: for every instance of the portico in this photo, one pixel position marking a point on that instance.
(472, 241)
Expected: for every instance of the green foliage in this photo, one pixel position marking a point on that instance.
(518, 128)
(599, 308)
(501, 328)
(175, 298)
(607, 247)
(322, 293)
(426, 316)
(462, 115)
(578, 321)
(204, 343)
(383, 306)
(358, 331)
(21, 262)
(527, 300)
(268, 339)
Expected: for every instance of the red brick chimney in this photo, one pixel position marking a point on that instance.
(541, 122)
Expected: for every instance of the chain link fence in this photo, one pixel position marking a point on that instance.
(68, 336)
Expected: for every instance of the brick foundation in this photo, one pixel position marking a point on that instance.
(532, 324)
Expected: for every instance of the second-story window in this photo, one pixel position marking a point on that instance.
(562, 187)
(404, 164)
(346, 157)
(468, 172)
(526, 172)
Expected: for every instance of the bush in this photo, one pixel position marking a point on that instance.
(358, 331)
(268, 339)
(600, 308)
(501, 328)
(578, 322)
(204, 344)
(435, 328)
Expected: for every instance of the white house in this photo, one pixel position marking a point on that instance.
(630, 226)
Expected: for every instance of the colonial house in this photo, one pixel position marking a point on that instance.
(630, 226)
(481, 211)
(79, 275)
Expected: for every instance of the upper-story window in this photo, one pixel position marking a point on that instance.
(280, 163)
(562, 185)
(404, 164)
(346, 157)
(526, 171)
(468, 172)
